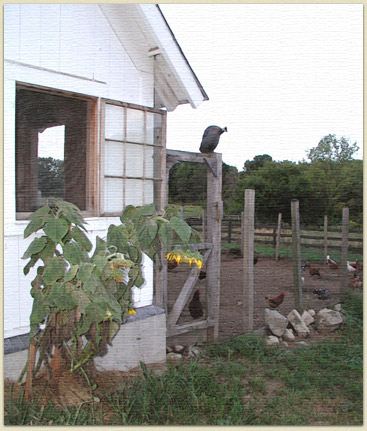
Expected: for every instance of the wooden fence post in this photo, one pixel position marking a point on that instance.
(213, 232)
(345, 245)
(229, 239)
(325, 240)
(183, 212)
(296, 245)
(203, 223)
(278, 237)
(242, 230)
(248, 261)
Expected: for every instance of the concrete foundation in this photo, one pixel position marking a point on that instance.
(142, 338)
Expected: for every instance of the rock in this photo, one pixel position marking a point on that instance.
(174, 357)
(302, 343)
(288, 335)
(272, 340)
(261, 331)
(194, 352)
(307, 318)
(285, 344)
(298, 324)
(338, 307)
(178, 348)
(328, 320)
(169, 349)
(311, 312)
(275, 321)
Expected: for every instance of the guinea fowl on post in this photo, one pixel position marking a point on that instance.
(210, 139)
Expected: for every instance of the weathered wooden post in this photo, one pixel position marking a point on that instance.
(278, 237)
(213, 235)
(229, 238)
(296, 246)
(325, 240)
(242, 230)
(203, 223)
(248, 261)
(345, 245)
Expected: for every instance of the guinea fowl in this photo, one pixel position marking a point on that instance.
(322, 293)
(211, 139)
(195, 307)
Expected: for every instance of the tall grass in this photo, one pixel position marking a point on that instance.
(238, 382)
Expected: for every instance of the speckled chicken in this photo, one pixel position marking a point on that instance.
(211, 139)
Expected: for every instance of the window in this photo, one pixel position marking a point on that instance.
(55, 143)
(132, 156)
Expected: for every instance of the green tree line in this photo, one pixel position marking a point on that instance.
(329, 180)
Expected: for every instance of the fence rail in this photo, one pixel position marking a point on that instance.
(267, 234)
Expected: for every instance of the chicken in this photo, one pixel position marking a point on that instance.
(356, 282)
(195, 306)
(331, 263)
(356, 265)
(211, 139)
(202, 275)
(311, 270)
(322, 294)
(350, 267)
(276, 300)
(171, 265)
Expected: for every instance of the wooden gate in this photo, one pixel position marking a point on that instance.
(211, 248)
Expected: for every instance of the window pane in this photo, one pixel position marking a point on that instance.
(149, 165)
(135, 159)
(114, 122)
(113, 189)
(134, 192)
(135, 125)
(148, 192)
(50, 163)
(150, 127)
(114, 158)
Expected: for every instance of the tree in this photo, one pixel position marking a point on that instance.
(332, 149)
(51, 176)
(257, 162)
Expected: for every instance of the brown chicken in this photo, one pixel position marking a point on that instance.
(312, 271)
(276, 300)
(195, 306)
(356, 282)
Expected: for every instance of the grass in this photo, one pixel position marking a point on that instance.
(238, 382)
(308, 253)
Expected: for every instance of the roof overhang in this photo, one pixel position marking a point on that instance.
(145, 33)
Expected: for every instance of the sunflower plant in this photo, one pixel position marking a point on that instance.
(80, 301)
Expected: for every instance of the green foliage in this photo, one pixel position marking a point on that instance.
(332, 149)
(76, 295)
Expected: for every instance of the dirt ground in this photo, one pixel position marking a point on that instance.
(270, 278)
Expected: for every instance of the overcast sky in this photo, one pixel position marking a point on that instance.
(280, 77)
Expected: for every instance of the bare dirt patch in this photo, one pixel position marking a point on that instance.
(270, 278)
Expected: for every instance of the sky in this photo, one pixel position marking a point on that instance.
(280, 77)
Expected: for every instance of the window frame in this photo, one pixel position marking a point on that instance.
(158, 177)
(91, 197)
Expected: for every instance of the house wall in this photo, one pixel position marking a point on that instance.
(68, 47)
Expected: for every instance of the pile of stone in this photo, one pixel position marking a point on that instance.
(177, 352)
(281, 329)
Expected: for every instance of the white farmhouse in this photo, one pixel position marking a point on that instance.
(87, 88)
